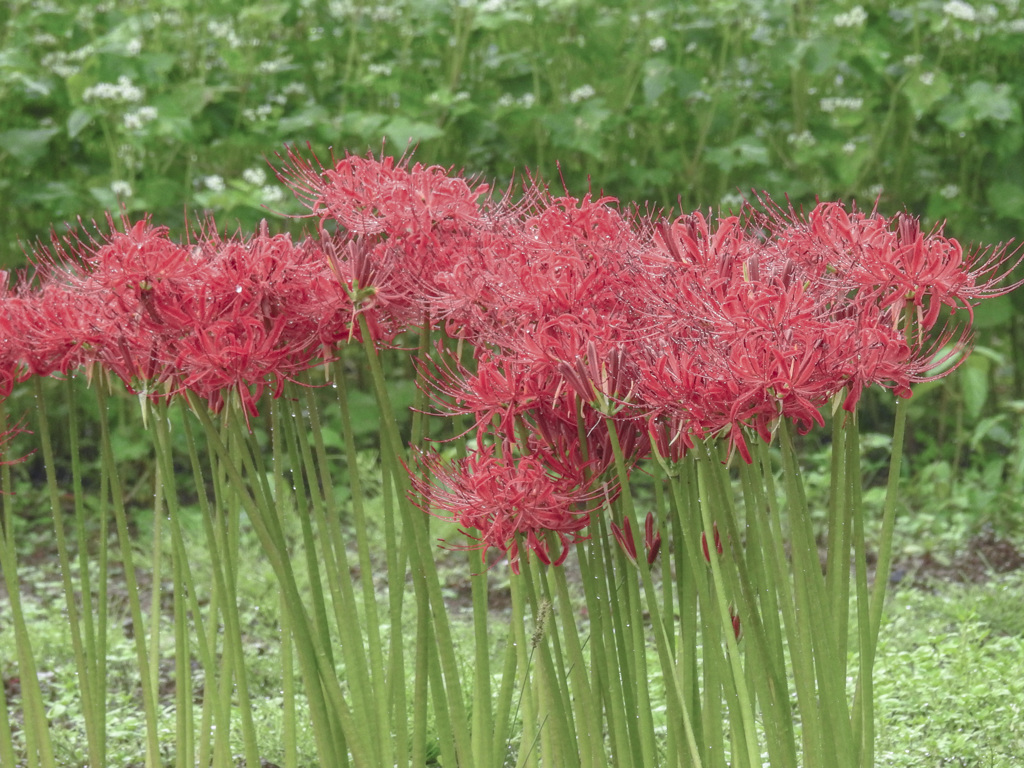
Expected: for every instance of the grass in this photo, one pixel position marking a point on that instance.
(947, 680)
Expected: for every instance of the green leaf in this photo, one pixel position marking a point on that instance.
(1007, 199)
(743, 152)
(78, 120)
(924, 91)
(974, 383)
(26, 145)
(402, 131)
(301, 121)
(981, 102)
(657, 78)
(992, 313)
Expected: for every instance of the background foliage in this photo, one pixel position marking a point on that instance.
(165, 105)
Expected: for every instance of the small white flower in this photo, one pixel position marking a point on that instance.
(258, 115)
(271, 194)
(275, 65)
(731, 201)
(834, 103)
(658, 44)
(958, 9)
(134, 47)
(383, 70)
(950, 191)
(506, 100)
(58, 63)
(214, 183)
(383, 13)
(121, 188)
(255, 176)
(339, 9)
(124, 91)
(849, 148)
(582, 93)
(802, 139)
(854, 17)
(224, 30)
(527, 100)
(876, 191)
(137, 118)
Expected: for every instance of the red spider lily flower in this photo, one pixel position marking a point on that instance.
(624, 536)
(12, 366)
(56, 327)
(7, 434)
(503, 498)
(370, 196)
(237, 354)
(704, 543)
(652, 539)
(669, 437)
(605, 386)
(893, 259)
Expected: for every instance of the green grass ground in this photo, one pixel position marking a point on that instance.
(947, 679)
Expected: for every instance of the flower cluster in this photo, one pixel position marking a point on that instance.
(578, 335)
(218, 317)
(589, 327)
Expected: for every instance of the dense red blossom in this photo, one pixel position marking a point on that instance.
(579, 325)
(510, 501)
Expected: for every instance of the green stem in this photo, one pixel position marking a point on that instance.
(135, 608)
(864, 696)
(320, 677)
(424, 571)
(676, 707)
(83, 660)
(716, 499)
(36, 728)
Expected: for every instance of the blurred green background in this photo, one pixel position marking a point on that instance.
(173, 107)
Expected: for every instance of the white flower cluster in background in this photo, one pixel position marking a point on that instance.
(273, 66)
(855, 17)
(958, 9)
(136, 119)
(271, 194)
(582, 93)
(258, 114)
(124, 91)
(121, 188)
(255, 176)
(224, 30)
(837, 103)
(802, 140)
